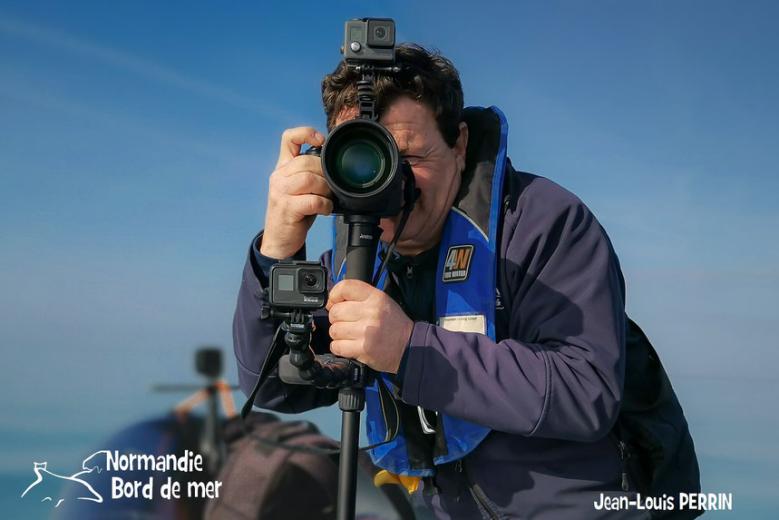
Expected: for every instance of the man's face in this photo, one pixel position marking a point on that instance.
(437, 170)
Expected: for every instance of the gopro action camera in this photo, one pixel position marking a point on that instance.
(297, 285)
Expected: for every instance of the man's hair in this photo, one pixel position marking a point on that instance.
(425, 76)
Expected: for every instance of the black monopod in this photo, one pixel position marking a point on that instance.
(363, 167)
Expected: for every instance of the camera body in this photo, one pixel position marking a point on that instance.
(370, 40)
(297, 285)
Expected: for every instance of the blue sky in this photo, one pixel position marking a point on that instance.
(136, 140)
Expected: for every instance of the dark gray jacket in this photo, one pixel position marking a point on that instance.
(551, 389)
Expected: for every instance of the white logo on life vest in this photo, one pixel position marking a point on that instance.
(458, 263)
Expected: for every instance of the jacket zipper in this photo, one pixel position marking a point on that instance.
(476, 492)
(623, 457)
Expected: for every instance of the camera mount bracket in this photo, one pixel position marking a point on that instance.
(366, 97)
(302, 367)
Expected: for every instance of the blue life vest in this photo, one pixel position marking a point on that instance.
(465, 286)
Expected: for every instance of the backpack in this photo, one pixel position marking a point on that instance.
(661, 455)
(262, 480)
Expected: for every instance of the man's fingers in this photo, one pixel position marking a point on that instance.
(293, 138)
(349, 290)
(307, 205)
(346, 330)
(345, 311)
(301, 163)
(347, 348)
(302, 183)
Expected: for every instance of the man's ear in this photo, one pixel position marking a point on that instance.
(461, 145)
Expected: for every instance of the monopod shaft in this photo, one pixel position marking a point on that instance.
(363, 238)
(347, 461)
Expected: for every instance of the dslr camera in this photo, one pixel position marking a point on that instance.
(297, 285)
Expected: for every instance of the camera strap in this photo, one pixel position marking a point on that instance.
(410, 195)
(271, 359)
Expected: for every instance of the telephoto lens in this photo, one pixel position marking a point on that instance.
(361, 163)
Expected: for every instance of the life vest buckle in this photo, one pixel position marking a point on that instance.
(427, 428)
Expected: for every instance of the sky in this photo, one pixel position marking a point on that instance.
(136, 140)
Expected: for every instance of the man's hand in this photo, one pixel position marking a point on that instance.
(297, 192)
(367, 325)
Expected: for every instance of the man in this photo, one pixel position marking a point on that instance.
(501, 328)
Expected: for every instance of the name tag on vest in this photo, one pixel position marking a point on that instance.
(464, 323)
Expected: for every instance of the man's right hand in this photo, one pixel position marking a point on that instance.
(297, 193)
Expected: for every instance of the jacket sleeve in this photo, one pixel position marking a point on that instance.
(252, 338)
(559, 373)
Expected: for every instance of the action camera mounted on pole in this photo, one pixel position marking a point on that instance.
(369, 180)
(295, 290)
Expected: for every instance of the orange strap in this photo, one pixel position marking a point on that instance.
(384, 477)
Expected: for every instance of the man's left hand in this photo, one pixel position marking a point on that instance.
(367, 325)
